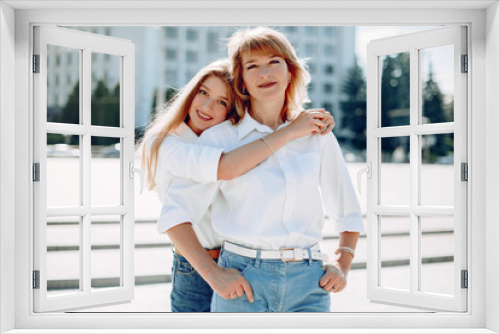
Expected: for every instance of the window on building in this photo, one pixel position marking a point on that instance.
(329, 31)
(191, 56)
(328, 88)
(212, 45)
(191, 35)
(171, 32)
(310, 50)
(171, 54)
(329, 50)
(311, 31)
(311, 67)
(329, 69)
(171, 77)
(310, 88)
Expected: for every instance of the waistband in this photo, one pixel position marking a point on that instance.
(283, 254)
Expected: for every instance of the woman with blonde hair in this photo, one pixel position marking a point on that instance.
(271, 218)
(168, 151)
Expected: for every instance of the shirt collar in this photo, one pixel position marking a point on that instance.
(249, 124)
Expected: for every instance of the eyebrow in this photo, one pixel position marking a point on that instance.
(253, 60)
(206, 88)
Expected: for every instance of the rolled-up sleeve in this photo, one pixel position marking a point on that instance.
(191, 161)
(340, 201)
(187, 200)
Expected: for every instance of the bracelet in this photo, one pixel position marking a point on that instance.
(265, 141)
(347, 249)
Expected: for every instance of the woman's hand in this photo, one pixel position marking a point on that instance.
(311, 122)
(335, 279)
(230, 284)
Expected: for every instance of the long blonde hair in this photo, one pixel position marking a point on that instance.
(265, 39)
(174, 113)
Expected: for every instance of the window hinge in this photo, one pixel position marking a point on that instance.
(465, 279)
(36, 279)
(465, 64)
(36, 63)
(36, 172)
(464, 171)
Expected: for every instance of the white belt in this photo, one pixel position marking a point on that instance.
(284, 254)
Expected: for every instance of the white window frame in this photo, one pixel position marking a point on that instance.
(415, 210)
(483, 21)
(87, 45)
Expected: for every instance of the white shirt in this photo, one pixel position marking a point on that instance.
(283, 202)
(180, 157)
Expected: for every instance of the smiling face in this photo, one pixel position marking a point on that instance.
(210, 105)
(265, 76)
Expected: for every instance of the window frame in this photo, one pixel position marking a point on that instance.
(483, 211)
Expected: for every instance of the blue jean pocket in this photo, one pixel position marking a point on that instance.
(183, 267)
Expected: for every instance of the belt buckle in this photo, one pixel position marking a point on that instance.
(292, 254)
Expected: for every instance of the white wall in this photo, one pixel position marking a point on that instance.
(7, 124)
(492, 163)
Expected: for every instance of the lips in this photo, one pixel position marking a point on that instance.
(203, 116)
(267, 84)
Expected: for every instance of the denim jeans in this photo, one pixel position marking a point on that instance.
(277, 286)
(190, 292)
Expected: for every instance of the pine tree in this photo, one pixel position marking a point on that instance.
(354, 105)
(433, 110)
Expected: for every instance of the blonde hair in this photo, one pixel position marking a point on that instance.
(174, 113)
(265, 39)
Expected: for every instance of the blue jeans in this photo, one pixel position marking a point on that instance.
(277, 286)
(190, 292)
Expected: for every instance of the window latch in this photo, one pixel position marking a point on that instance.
(367, 170)
(133, 170)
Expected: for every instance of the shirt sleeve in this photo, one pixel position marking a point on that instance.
(340, 201)
(187, 200)
(191, 161)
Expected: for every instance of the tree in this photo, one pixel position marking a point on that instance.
(105, 110)
(395, 98)
(353, 105)
(433, 110)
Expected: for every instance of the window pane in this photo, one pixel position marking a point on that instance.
(437, 170)
(63, 255)
(395, 89)
(63, 170)
(105, 103)
(437, 75)
(395, 171)
(105, 172)
(105, 258)
(63, 78)
(395, 252)
(436, 250)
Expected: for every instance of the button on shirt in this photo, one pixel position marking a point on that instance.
(282, 202)
(180, 157)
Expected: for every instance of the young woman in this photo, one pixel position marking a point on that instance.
(272, 217)
(168, 150)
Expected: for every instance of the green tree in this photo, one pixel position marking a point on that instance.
(353, 105)
(395, 97)
(105, 110)
(433, 110)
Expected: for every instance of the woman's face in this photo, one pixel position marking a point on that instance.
(265, 76)
(210, 105)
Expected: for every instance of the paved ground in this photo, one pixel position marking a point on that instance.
(153, 255)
